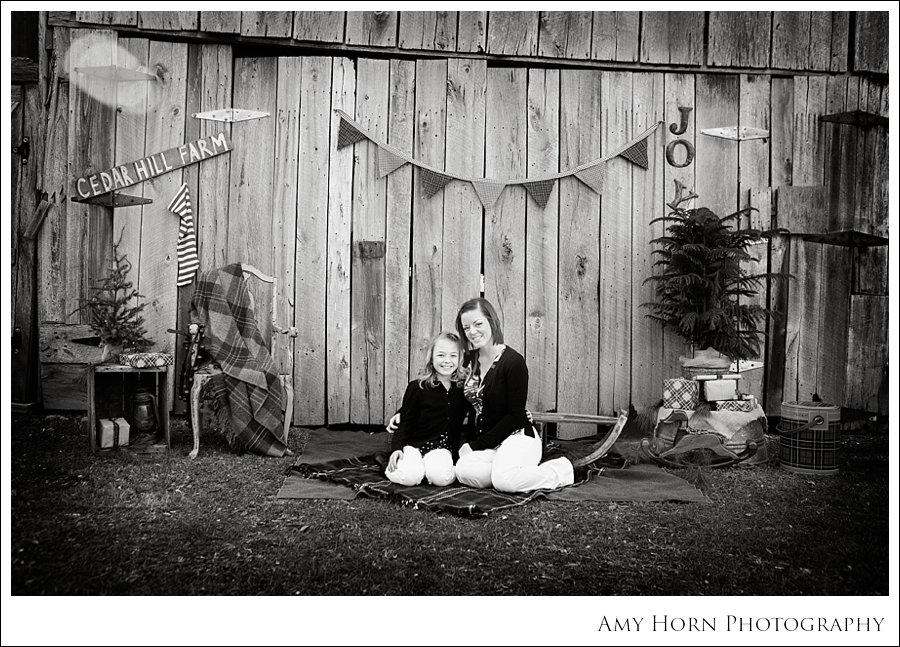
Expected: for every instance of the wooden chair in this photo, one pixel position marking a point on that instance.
(206, 371)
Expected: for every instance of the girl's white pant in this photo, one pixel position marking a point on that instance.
(515, 466)
(436, 466)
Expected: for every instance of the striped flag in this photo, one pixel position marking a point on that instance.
(188, 262)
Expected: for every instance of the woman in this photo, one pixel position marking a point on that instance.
(505, 451)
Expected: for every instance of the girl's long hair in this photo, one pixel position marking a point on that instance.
(428, 375)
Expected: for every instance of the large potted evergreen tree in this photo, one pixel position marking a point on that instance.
(703, 291)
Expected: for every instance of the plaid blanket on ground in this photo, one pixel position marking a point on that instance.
(251, 387)
(365, 476)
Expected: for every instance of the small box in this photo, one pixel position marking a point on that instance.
(680, 394)
(723, 388)
(746, 403)
(113, 433)
(146, 360)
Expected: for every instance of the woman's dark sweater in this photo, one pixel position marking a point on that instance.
(505, 389)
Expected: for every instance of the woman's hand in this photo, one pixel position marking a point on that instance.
(393, 423)
(395, 458)
(465, 449)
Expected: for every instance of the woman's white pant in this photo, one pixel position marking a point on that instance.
(436, 466)
(515, 466)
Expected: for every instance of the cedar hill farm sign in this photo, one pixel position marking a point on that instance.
(125, 175)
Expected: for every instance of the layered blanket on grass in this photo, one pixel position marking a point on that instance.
(250, 388)
(365, 476)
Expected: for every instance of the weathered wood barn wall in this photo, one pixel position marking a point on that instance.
(370, 268)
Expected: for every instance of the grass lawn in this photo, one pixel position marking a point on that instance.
(124, 524)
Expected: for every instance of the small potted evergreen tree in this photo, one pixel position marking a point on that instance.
(702, 292)
(115, 315)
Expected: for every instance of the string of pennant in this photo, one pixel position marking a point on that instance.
(592, 174)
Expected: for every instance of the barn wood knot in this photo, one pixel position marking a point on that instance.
(580, 265)
(506, 251)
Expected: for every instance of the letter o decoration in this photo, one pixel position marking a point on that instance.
(670, 153)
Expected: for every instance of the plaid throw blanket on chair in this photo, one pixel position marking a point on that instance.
(232, 338)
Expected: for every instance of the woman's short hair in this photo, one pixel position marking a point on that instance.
(489, 313)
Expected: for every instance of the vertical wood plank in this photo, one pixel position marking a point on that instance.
(717, 158)
(672, 37)
(227, 22)
(648, 201)
(23, 285)
(565, 34)
(680, 92)
(506, 140)
(840, 33)
(250, 197)
(872, 42)
(615, 35)
(319, 26)
(268, 24)
(739, 38)
(368, 227)
(513, 32)
(372, 28)
(820, 37)
(165, 128)
(753, 154)
(791, 39)
(427, 224)
(579, 246)
(310, 295)
(91, 148)
(168, 20)
(428, 30)
(463, 213)
(806, 258)
(337, 288)
(542, 241)
(51, 242)
(867, 352)
(214, 184)
(781, 152)
(286, 205)
(397, 237)
(471, 31)
(131, 126)
(616, 246)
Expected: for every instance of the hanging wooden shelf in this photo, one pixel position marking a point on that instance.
(230, 115)
(115, 200)
(846, 238)
(859, 118)
(116, 73)
(736, 134)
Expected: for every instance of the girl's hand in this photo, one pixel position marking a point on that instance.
(465, 449)
(393, 423)
(530, 419)
(395, 458)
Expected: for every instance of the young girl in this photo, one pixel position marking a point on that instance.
(431, 419)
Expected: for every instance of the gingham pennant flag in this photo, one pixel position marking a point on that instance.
(593, 176)
(488, 191)
(433, 182)
(348, 134)
(188, 262)
(388, 162)
(540, 191)
(637, 153)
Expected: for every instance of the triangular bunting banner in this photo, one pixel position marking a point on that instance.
(348, 134)
(488, 192)
(388, 162)
(540, 191)
(637, 153)
(433, 182)
(594, 176)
